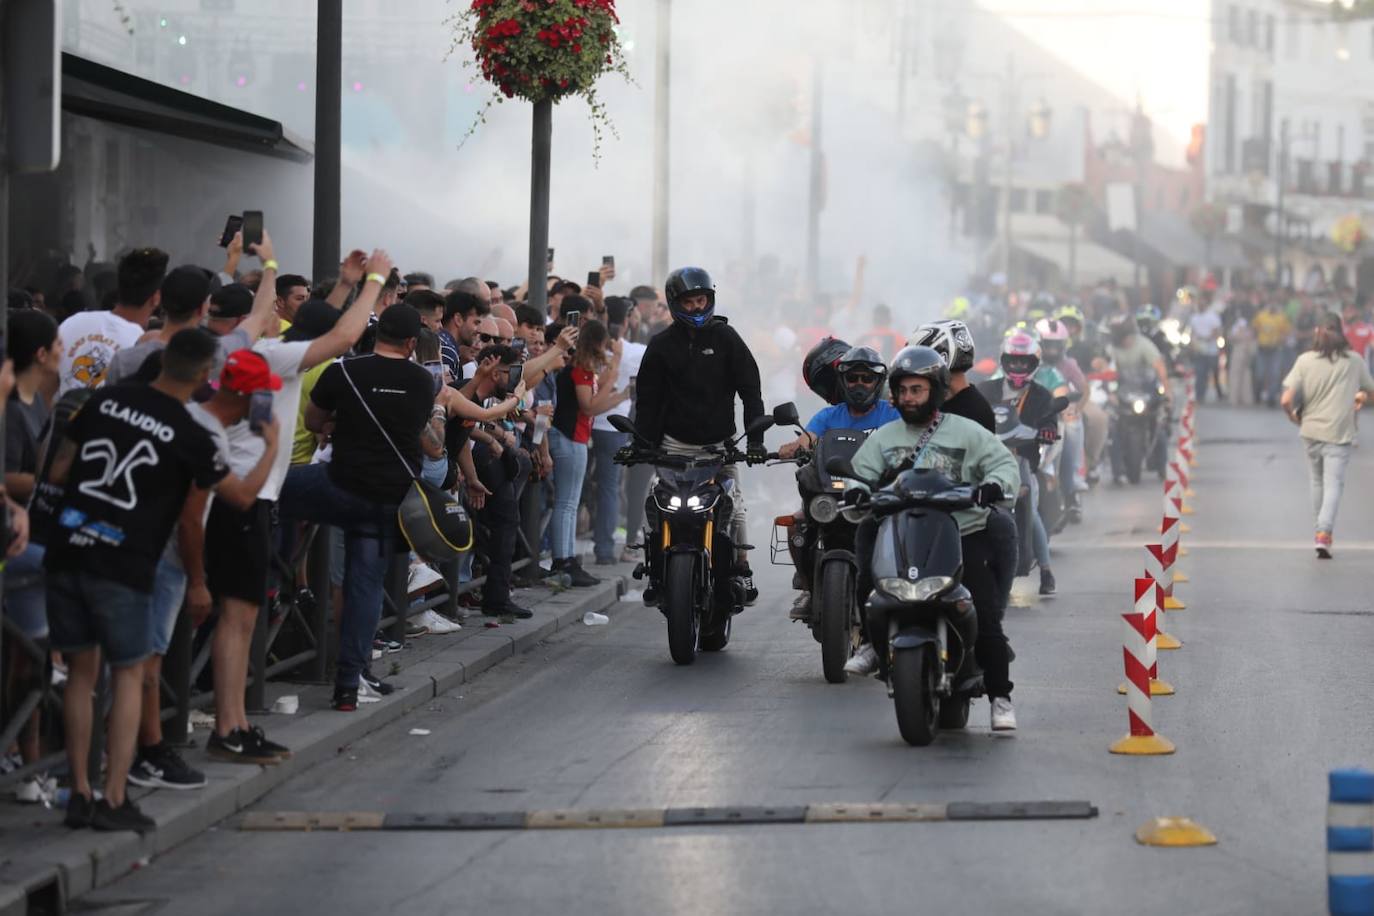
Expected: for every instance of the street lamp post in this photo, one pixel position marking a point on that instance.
(662, 100)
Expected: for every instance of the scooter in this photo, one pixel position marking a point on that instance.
(920, 617)
(690, 554)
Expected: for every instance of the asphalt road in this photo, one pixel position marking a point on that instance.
(1273, 690)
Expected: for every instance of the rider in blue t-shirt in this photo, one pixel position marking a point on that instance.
(861, 373)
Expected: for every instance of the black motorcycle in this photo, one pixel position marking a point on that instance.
(920, 617)
(690, 556)
(829, 570)
(1139, 429)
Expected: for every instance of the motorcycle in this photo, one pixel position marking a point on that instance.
(690, 554)
(1016, 435)
(1139, 423)
(826, 538)
(920, 617)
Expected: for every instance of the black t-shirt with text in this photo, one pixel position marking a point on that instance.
(401, 395)
(138, 452)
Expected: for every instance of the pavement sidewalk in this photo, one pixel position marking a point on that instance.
(44, 864)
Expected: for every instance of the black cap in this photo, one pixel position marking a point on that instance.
(315, 318)
(400, 322)
(233, 300)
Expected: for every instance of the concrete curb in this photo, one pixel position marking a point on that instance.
(58, 866)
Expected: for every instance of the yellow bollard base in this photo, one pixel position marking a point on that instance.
(1183, 551)
(1164, 642)
(1157, 688)
(1184, 529)
(1174, 831)
(1186, 509)
(1189, 493)
(1173, 604)
(1143, 745)
(1180, 577)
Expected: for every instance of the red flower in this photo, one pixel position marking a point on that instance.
(577, 49)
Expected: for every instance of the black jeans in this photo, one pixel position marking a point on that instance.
(501, 517)
(1001, 529)
(983, 551)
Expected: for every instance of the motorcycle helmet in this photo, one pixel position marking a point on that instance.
(958, 308)
(819, 369)
(1071, 313)
(1020, 359)
(690, 281)
(951, 339)
(858, 363)
(1147, 319)
(1054, 339)
(928, 364)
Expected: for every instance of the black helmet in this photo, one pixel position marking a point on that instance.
(951, 339)
(819, 369)
(861, 359)
(926, 363)
(690, 281)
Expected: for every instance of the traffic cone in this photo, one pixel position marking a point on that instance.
(1145, 606)
(1142, 739)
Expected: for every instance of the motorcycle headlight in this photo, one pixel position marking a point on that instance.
(675, 502)
(697, 504)
(921, 590)
(1138, 405)
(824, 509)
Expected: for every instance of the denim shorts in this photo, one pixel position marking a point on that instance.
(169, 593)
(88, 612)
(25, 592)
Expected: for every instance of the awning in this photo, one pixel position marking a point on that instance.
(1092, 262)
(96, 91)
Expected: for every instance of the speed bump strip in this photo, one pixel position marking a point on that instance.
(638, 818)
(835, 814)
(594, 819)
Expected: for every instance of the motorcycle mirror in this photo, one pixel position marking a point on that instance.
(840, 466)
(786, 415)
(759, 424)
(623, 425)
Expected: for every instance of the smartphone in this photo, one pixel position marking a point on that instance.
(518, 345)
(573, 319)
(259, 410)
(550, 259)
(231, 227)
(594, 278)
(252, 229)
(608, 260)
(516, 370)
(436, 369)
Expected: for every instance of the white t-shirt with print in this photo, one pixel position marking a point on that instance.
(631, 356)
(284, 358)
(90, 341)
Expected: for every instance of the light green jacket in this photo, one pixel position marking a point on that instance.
(961, 449)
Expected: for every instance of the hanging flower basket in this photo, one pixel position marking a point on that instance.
(1348, 233)
(543, 50)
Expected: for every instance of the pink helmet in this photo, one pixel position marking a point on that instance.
(1020, 358)
(1051, 329)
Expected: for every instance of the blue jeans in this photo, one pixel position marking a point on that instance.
(1040, 541)
(1268, 363)
(26, 592)
(569, 470)
(605, 443)
(169, 593)
(1326, 463)
(370, 538)
(88, 612)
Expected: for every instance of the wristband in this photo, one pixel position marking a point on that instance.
(376, 278)
(269, 264)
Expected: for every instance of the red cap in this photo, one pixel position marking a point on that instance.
(246, 372)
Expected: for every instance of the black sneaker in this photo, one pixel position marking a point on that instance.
(126, 817)
(508, 610)
(78, 811)
(161, 767)
(745, 576)
(1046, 582)
(345, 699)
(265, 746)
(580, 577)
(237, 747)
(650, 597)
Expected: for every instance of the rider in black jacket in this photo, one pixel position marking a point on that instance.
(687, 384)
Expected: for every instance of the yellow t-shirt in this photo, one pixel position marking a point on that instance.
(303, 445)
(1271, 328)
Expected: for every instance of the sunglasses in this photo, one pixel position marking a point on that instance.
(861, 378)
(489, 339)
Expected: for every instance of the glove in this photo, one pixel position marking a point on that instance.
(624, 454)
(756, 454)
(988, 494)
(1048, 435)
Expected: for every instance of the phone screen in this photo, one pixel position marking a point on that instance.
(252, 228)
(608, 260)
(259, 410)
(516, 370)
(574, 319)
(231, 227)
(436, 369)
(594, 278)
(550, 258)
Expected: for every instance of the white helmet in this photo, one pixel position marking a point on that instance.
(950, 338)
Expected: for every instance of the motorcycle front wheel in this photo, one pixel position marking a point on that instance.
(680, 606)
(913, 695)
(836, 609)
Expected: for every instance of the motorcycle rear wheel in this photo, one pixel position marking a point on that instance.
(836, 609)
(680, 607)
(913, 695)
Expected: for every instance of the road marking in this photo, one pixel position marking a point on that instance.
(643, 818)
(1304, 546)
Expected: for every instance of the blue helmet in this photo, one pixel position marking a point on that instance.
(690, 281)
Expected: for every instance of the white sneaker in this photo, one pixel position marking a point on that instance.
(864, 661)
(1003, 715)
(36, 790)
(437, 623)
(366, 693)
(801, 607)
(422, 577)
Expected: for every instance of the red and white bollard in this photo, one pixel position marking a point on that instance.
(1159, 564)
(1146, 605)
(1142, 739)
